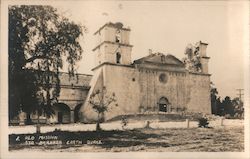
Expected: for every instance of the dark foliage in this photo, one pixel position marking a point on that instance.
(203, 122)
(230, 108)
(39, 38)
(124, 122)
(213, 94)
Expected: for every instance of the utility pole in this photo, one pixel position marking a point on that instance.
(240, 94)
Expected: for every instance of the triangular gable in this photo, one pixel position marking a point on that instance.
(160, 58)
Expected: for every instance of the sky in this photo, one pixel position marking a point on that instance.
(167, 27)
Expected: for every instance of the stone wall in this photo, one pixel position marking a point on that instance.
(99, 56)
(107, 47)
(112, 49)
(151, 89)
(199, 93)
(74, 90)
(140, 89)
(109, 35)
(124, 82)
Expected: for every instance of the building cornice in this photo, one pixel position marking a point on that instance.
(74, 87)
(138, 66)
(205, 57)
(199, 73)
(81, 74)
(161, 69)
(112, 64)
(114, 43)
(164, 64)
(203, 43)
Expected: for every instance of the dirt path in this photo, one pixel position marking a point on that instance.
(157, 140)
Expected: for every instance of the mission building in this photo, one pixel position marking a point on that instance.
(155, 83)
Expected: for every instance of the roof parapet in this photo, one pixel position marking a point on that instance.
(118, 25)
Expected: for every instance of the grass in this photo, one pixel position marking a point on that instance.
(154, 140)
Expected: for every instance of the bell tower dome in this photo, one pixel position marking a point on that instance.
(112, 44)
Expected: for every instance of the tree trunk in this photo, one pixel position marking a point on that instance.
(98, 127)
(38, 127)
(28, 121)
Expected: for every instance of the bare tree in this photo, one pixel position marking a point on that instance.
(101, 100)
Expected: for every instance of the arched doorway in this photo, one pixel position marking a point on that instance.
(62, 113)
(76, 113)
(163, 104)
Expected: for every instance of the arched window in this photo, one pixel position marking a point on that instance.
(118, 36)
(118, 57)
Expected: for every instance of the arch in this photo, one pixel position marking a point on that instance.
(118, 57)
(76, 113)
(163, 104)
(62, 113)
(118, 36)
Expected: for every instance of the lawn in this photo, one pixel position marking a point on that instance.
(152, 140)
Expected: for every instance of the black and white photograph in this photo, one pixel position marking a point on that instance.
(105, 79)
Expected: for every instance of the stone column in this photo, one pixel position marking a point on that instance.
(72, 116)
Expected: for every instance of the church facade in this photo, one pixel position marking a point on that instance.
(155, 83)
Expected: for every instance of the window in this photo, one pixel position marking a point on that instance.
(118, 57)
(163, 78)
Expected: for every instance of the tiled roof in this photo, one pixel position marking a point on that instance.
(78, 80)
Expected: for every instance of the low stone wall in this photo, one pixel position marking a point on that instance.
(118, 126)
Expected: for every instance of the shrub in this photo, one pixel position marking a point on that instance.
(203, 122)
(228, 116)
(124, 122)
(57, 130)
(147, 124)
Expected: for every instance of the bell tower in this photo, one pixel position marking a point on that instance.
(204, 58)
(112, 44)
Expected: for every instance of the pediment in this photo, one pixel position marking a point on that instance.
(160, 58)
